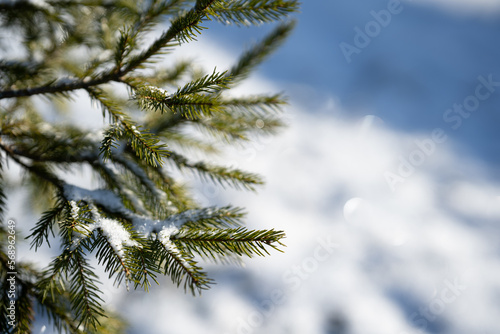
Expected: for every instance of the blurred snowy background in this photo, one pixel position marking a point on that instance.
(387, 181)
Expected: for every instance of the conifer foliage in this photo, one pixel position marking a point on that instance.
(142, 221)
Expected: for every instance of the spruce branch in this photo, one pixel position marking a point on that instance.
(251, 12)
(70, 275)
(240, 241)
(217, 174)
(143, 221)
(189, 106)
(180, 268)
(184, 142)
(146, 145)
(176, 193)
(144, 269)
(117, 183)
(41, 171)
(164, 76)
(139, 173)
(209, 83)
(56, 311)
(40, 233)
(210, 217)
(260, 105)
(114, 263)
(256, 54)
(183, 29)
(85, 299)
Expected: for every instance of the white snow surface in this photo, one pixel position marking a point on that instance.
(114, 231)
(116, 234)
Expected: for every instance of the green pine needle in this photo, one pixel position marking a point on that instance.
(251, 12)
(143, 220)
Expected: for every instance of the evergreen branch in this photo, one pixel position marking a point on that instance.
(111, 243)
(116, 182)
(113, 261)
(259, 105)
(40, 232)
(150, 97)
(238, 125)
(13, 70)
(112, 205)
(251, 12)
(194, 106)
(185, 142)
(147, 147)
(217, 174)
(143, 221)
(21, 4)
(24, 302)
(180, 267)
(39, 170)
(72, 267)
(240, 241)
(210, 217)
(209, 83)
(164, 76)
(189, 100)
(189, 106)
(109, 142)
(260, 51)
(124, 46)
(139, 173)
(151, 189)
(182, 29)
(145, 144)
(142, 265)
(57, 145)
(105, 199)
(60, 87)
(85, 300)
(153, 13)
(57, 312)
(177, 195)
